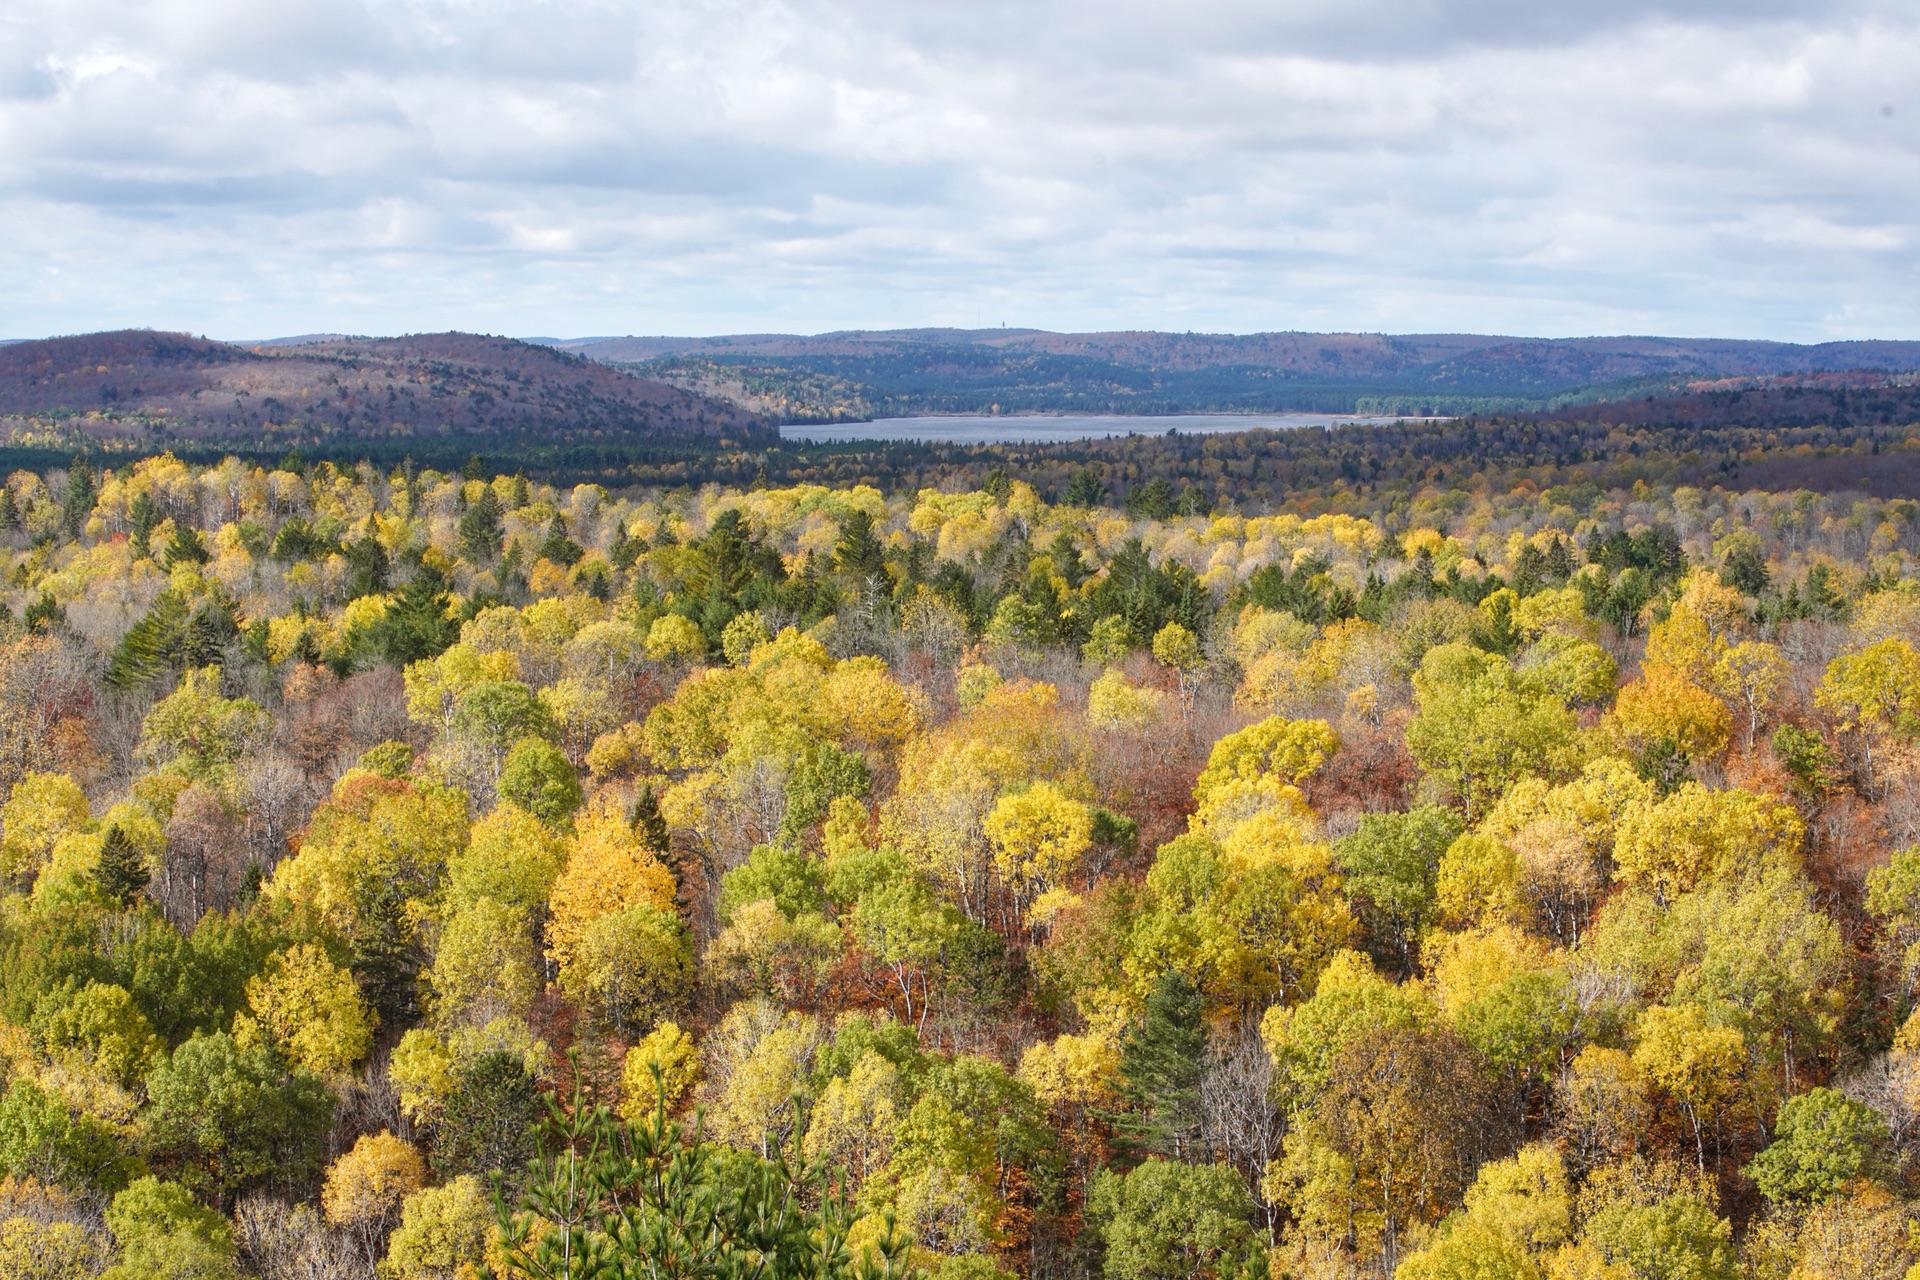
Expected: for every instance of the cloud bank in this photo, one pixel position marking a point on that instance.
(245, 169)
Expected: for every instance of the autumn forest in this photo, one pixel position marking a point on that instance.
(424, 874)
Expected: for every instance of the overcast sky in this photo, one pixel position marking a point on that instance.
(248, 168)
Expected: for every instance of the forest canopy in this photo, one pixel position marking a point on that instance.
(438, 873)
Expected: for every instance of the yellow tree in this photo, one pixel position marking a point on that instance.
(1698, 1065)
(486, 965)
(43, 808)
(609, 869)
(366, 1187)
(1039, 836)
(1695, 835)
(1290, 750)
(313, 1011)
(1876, 690)
(1664, 707)
(443, 1233)
(658, 1070)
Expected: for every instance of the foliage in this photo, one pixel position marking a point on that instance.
(1166, 1220)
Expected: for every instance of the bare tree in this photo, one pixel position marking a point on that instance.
(279, 799)
(205, 858)
(1238, 1117)
(279, 1241)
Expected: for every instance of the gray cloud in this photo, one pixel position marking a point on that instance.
(702, 165)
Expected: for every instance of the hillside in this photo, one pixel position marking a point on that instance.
(899, 372)
(150, 388)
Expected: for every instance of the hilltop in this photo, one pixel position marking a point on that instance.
(139, 387)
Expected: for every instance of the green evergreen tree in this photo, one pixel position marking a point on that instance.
(416, 624)
(45, 614)
(557, 546)
(491, 1121)
(1160, 1063)
(121, 872)
(78, 504)
(1084, 490)
(186, 548)
(152, 646)
(648, 823)
(480, 529)
(859, 554)
(142, 515)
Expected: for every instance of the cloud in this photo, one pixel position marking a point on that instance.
(705, 165)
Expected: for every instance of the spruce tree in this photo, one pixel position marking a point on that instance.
(1160, 1063)
(121, 872)
(480, 528)
(647, 822)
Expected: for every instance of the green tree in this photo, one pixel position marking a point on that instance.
(416, 625)
(1822, 1140)
(1391, 862)
(1171, 1221)
(122, 872)
(41, 1138)
(608, 1200)
(1677, 1237)
(491, 1118)
(480, 528)
(538, 778)
(165, 1234)
(1161, 1061)
(500, 713)
(227, 1117)
(1481, 726)
(196, 732)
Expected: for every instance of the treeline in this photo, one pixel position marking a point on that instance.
(1826, 440)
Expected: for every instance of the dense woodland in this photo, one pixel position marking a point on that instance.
(418, 874)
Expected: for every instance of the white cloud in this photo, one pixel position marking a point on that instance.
(705, 165)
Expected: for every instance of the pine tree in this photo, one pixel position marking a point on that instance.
(1160, 1062)
(480, 528)
(154, 645)
(79, 500)
(860, 555)
(121, 872)
(45, 614)
(557, 546)
(142, 515)
(1084, 490)
(186, 548)
(647, 822)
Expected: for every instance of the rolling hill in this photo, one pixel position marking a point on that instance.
(897, 372)
(139, 388)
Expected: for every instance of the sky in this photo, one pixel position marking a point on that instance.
(253, 168)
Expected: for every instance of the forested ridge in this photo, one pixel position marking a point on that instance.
(414, 873)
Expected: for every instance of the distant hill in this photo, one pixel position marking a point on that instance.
(138, 388)
(906, 371)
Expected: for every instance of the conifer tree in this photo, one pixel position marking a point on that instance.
(647, 822)
(1161, 1063)
(121, 872)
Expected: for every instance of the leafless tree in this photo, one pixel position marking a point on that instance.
(278, 1241)
(1238, 1117)
(279, 798)
(45, 681)
(204, 860)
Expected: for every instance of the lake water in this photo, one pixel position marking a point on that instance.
(1059, 429)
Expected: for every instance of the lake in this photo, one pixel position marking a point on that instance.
(1059, 429)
